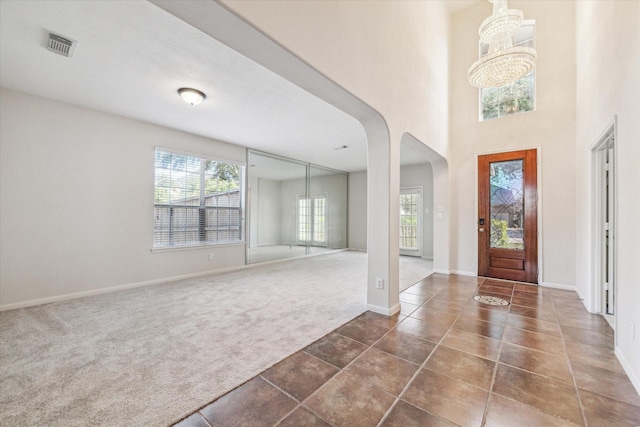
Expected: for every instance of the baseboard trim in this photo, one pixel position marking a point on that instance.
(464, 273)
(439, 271)
(382, 310)
(559, 286)
(101, 291)
(627, 368)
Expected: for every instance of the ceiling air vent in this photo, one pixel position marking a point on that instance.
(61, 45)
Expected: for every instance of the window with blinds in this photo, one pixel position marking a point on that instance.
(197, 201)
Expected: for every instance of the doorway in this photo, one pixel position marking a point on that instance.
(411, 221)
(508, 216)
(311, 217)
(605, 226)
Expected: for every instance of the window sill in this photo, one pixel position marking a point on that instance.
(194, 247)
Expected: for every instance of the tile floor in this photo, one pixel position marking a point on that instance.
(446, 360)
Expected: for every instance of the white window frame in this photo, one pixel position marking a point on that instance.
(310, 219)
(419, 220)
(525, 36)
(204, 218)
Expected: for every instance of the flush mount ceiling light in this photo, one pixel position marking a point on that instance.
(191, 96)
(504, 63)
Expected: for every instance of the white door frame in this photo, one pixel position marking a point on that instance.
(420, 215)
(602, 153)
(310, 206)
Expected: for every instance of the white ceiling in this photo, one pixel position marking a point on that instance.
(131, 59)
(458, 5)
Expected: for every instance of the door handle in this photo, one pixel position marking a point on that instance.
(481, 230)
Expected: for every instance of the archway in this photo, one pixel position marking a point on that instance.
(215, 20)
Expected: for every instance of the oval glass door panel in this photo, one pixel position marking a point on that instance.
(507, 204)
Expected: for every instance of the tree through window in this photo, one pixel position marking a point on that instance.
(516, 97)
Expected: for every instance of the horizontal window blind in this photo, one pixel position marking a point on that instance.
(197, 201)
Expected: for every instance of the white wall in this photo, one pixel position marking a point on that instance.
(358, 211)
(334, 186)
(254, 207)
(76, 201)
(551, 128)
(391, 54)
(608, 76)
(290, 190)
(265, 217)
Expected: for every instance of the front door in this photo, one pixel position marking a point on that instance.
(507, 216)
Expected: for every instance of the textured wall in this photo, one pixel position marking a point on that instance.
(608, 76)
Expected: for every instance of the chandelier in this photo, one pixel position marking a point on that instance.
(503, 63)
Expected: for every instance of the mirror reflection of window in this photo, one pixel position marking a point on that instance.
(295, 208)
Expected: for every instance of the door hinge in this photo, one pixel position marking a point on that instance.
(606, 226)
(606, 167)
(606, 286)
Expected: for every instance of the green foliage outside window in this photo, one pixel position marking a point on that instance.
(514, 98)
(499, 235)
(178, 178)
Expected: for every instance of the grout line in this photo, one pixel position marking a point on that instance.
(566, 355)
(300, 403)
(495, 368)
(370, 346)
(268, 381)
(424, 364)
(204, 418)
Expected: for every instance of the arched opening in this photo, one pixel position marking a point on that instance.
(221, 24)
(433, 169)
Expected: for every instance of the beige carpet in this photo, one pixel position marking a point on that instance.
(413, 269)
(152, 355)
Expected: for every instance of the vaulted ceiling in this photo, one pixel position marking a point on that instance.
(132, 57)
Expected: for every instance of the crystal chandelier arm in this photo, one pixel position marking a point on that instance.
(503, 63)
(502, 67)
(499, 5)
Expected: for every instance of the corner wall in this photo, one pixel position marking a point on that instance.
(608, 85)
(410, 176)
(76, 201)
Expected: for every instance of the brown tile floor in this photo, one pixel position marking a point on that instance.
(446, 360)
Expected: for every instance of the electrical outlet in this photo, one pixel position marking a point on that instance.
(379, 283)
(210, 256)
